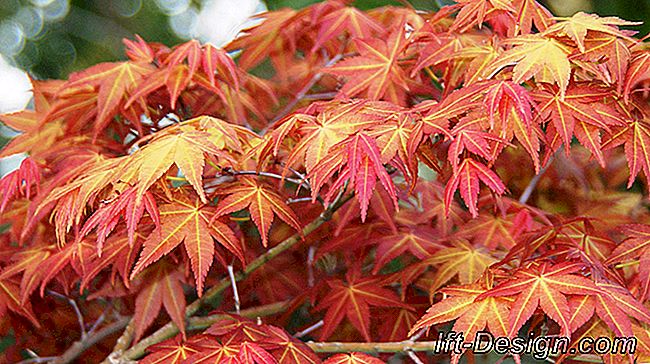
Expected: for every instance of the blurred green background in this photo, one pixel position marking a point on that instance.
(51, 38)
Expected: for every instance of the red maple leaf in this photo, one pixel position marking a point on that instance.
(376, 72)
(353, 299)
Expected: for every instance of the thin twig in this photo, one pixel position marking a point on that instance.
(418, 334)
(310, 266)
(414, 357)
(300, 175)
(311, 328)
(97, 322)
(372, 347)
(300, 182)
(233, 283)
(195, 323)
(528, 191)
(339, 196)
(38, 359)
(320, 96)
(77, 311)
(299, 199)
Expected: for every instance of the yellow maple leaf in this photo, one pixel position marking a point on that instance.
(576, 27)
(546, 59)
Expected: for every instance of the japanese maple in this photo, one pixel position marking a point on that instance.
(366, 179)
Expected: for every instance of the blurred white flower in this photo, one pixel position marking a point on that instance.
(15, 94)
(16, 91)
(220, 20)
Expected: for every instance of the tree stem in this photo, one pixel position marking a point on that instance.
(373, 347)
(196, 323)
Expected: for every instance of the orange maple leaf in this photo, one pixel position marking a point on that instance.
(470, 314)
(262, 203)
(113, 83)
(188, 222)
(544, 286)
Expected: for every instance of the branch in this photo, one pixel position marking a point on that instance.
(77, 311)
(299, 182)
(194, 323)
(414, 357)
(233, 284)
(170, 328)
(213, 292)
(383, 347)
(87, 341)
(201, 323)
(528, 191)
(406, 346)
(311, 328)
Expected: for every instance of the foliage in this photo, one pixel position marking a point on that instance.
(485, 145)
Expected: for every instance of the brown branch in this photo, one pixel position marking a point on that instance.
(77, 311)
(76, 349)
(299, 182)
(209, 295)
(528, 191)
(195, 323)
(414, 357)
(383, 347)
(406, 346)
(203, 322)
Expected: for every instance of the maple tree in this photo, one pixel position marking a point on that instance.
(366, 179)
